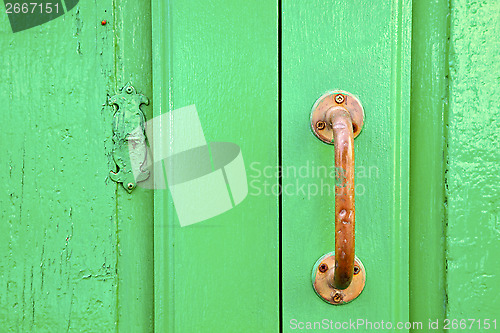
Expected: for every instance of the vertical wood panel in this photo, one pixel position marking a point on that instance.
(133, 63)
(427, 198)
(58, 209)
(364, 48)
(77, 249)
(219, 275)
(472, 176)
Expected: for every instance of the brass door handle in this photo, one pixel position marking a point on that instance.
(339, 276)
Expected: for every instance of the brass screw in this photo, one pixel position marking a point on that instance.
(356, 270)
(130, 186)
(323, 267)
(339, 99)
(320, 125)
(129, 90)
(337, 298)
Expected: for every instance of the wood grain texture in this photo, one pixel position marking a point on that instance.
(58, 230)
(473, 174)
(62, 267)
(363, 48)
(219, 275)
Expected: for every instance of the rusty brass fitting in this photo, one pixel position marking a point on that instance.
(337, 297)
(339, 99)
(320, 125)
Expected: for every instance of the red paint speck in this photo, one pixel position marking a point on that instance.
(103, 22)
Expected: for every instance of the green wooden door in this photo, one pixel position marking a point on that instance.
(197, 251)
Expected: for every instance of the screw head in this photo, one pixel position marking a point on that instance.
(356, 270)
(130, 186)
(337, 297)
(129, 90)
(339, 99)
(320, 125)
(323, 267)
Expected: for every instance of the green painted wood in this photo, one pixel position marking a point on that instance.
(219, 275)
(364, 48)
(133, 63)
(74, 246)
(472, 175)
(58, 224)
(77, 250)
(427, 203)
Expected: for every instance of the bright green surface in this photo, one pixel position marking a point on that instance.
(364, 48)
(455, 176)
(134, 211)
(76, 253)
(473, 174)
(428, 106)
(219, 275)
(77, 250)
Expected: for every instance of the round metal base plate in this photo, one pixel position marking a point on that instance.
(329, 294)
(319, 124)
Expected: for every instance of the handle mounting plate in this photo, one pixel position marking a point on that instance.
(319, 123)
(322, 275)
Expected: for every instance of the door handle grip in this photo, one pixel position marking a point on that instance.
(337, 118)
(343, 139)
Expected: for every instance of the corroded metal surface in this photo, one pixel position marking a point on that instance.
(344, 195)
(319, 122)
(337, 117)
(323, 283)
